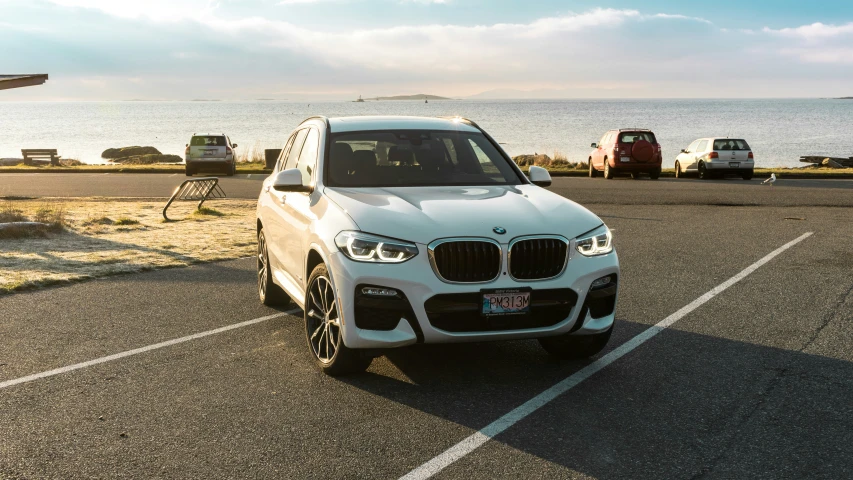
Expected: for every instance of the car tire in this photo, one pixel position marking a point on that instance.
(678, 172)
(189, 172)
(747, 175)
(323, 329)
(575, 347)
(654, 174)
(270, 294)
(592, 171)
(608, 172)
(703, 171)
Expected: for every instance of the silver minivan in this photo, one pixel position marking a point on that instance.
(716, 156)
(210, 152)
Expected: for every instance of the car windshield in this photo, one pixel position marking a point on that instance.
(410, 158)
(208, 141)
(730, 144)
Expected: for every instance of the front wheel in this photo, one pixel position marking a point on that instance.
(323, 328)
(608, 172)
(575, 347)
(678, 172)
(592, 171)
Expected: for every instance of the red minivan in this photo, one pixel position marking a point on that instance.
(632, 151)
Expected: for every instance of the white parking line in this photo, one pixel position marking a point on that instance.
(479, 438)
(137, 351)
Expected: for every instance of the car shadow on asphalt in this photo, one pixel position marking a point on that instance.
(680, 405)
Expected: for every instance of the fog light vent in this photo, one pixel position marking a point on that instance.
(601, 282)
(379, 292)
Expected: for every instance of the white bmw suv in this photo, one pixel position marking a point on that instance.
(390, 231)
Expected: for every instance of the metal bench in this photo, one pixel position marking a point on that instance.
(31, 154)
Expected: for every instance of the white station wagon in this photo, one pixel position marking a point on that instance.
(391, 231)
(716, 156)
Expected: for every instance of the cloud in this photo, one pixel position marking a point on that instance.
(158, 10)
(167, 48)
(815, 31)
(816, 42)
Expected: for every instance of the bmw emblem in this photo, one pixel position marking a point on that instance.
(499, 230)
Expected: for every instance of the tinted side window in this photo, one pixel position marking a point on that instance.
(703, 145)
(692, 147)
(295, 149)
(282, 156)
(308, 158)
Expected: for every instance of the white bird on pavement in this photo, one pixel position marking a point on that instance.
(770, 181)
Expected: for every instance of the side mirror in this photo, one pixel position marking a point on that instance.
(233, 145)
(684, 150)
(539, 176)
(289, 181)
(594, 145)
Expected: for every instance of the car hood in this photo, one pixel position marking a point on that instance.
(424, 214)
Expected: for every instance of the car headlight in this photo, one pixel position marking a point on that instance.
(364, 247)
(596, 242)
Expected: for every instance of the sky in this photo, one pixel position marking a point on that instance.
(339, 49)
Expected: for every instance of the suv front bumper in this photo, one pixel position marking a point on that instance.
(420, 288)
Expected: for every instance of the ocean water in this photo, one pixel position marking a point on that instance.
(779, 131)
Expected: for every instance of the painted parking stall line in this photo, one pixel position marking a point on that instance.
(493, 429)
(137, 351)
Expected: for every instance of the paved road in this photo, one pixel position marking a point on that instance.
(756, 383)
(584, 190)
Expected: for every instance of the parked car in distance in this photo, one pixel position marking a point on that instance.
(391, 231)
(633, 151)
(210, 152)
(716, 156)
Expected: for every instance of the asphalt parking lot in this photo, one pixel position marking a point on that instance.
(754, 381)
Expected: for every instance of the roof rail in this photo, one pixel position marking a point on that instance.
(461, 119)
(317, 117)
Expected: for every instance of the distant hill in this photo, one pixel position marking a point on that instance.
(419, 96)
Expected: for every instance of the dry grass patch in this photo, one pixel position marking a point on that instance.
(107, 237)
(37, 221)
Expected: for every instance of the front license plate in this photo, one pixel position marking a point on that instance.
(625, 159)
(508, 301)
(734, 164)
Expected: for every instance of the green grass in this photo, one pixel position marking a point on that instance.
(242, 168)
(98, 221)
(207, 211)
(838, 173)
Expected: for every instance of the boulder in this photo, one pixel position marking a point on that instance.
(113, 153)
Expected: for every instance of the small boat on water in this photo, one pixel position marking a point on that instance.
(360, 100)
